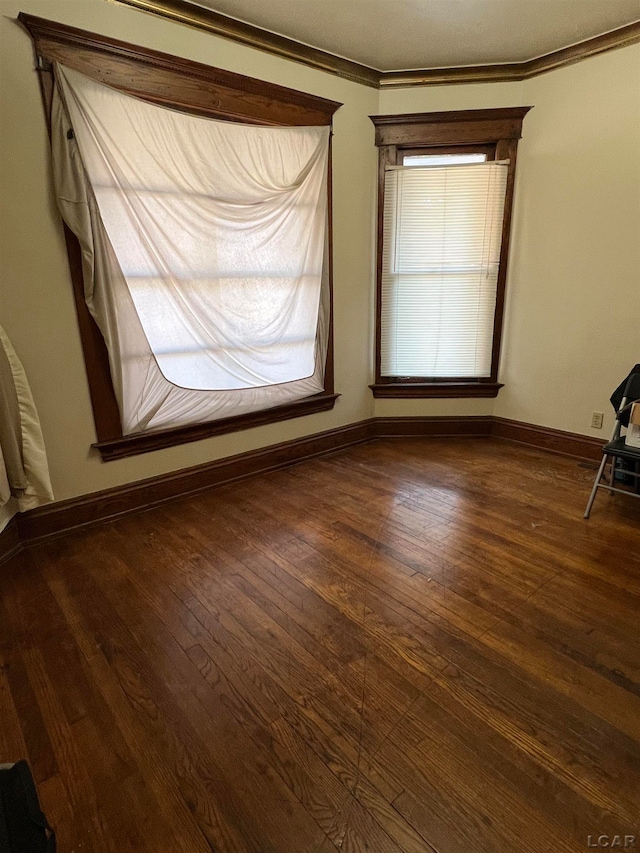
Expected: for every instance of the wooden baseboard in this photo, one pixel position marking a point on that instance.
(64, 516)
(432, 426)
(10, 542)
(554, 440)
(59, 518)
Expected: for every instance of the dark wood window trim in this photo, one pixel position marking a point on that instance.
(449, 390)
(495, 132)
(194, 88)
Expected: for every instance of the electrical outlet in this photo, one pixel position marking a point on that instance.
(596, 420)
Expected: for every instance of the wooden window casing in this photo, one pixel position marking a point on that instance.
(200, 90)
(493, 132)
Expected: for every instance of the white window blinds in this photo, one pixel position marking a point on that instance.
(441, 253)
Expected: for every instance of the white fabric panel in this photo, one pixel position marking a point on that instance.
(5, 488)
(34, 458)
(441, 253)
(204, 247)
(7, 511)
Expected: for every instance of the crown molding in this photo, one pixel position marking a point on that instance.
(507, 72)
(622, 37)
(185, 12)
(513, 71)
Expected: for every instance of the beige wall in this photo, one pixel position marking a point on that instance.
(574, 283)
(36, 306)
(476, 96)
(572, 327)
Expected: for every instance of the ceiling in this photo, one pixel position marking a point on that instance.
(394, 35)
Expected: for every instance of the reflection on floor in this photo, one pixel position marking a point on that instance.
(407, 646)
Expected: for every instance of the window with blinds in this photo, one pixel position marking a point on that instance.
(442, 234)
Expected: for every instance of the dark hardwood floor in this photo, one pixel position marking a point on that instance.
(412, 645)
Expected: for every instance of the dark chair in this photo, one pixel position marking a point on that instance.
(622, 399)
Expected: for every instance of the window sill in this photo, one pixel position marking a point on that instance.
(435, 389)
(145, 442)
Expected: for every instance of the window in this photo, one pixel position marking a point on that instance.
(206, 300)
(445, 197)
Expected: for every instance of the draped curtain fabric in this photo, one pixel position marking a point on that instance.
(24, 473)
(204, 249)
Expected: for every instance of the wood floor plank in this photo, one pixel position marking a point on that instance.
(564, 744)
(452, 722)
(362, 545)
(34, 732)
(196, 725)
(12, 742)
(74, 770)
(411, 646)
(171, 783)
(555, 665)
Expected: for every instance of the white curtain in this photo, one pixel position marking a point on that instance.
(204, 252)
(24, 473)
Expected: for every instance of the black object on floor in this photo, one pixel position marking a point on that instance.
(23, 826)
